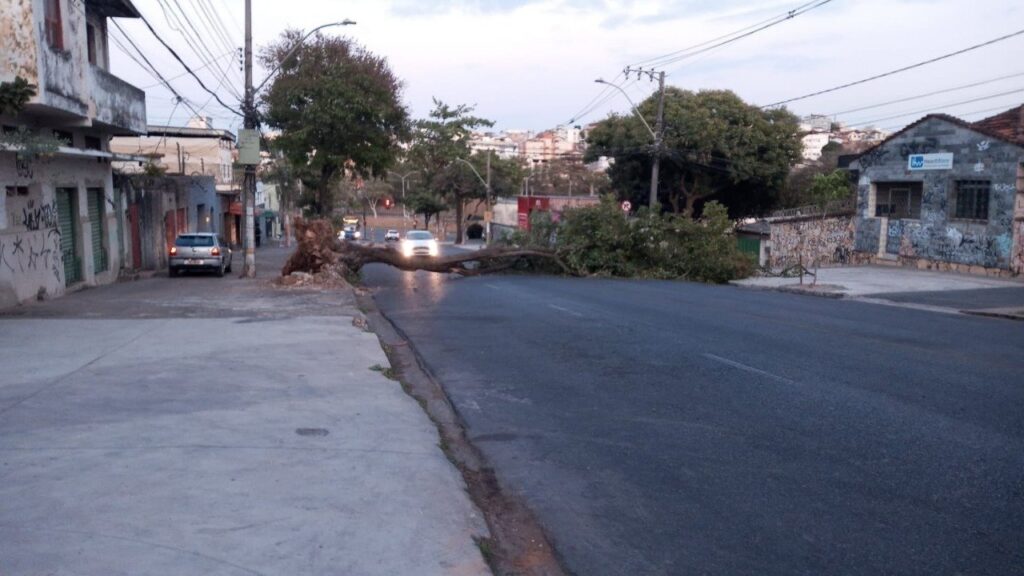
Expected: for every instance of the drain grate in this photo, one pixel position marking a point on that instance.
(312, 431)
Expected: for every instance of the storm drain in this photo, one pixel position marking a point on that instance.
(311, 431)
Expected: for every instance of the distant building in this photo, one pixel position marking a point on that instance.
(197, 149)
(504, 146)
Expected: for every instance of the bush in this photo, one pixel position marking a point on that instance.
(600, 240)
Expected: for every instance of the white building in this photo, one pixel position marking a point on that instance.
(60, 215)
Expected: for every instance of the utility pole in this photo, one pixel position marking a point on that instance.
(657, 132)
(488, 211)
(249, 183)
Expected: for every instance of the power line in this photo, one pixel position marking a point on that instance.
(195, 40)
(962, 115)
(926, 95)
(932, 108)
(730, 38)
(148, 66)
(186, 66)
(703, 47)
(897, 71)
(183, 74)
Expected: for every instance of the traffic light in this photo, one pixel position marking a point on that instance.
(388, 203)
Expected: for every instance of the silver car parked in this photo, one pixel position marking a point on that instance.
(199, 251)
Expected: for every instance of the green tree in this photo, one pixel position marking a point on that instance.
(339, 110)
(438, 143)
(715, 145)
(15, 94)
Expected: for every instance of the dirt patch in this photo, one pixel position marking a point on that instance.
(518, 544)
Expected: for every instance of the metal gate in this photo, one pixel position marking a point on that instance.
(99, 254)
(136, 232)
(68, 247)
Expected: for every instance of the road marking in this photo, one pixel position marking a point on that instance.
(746, 368)
(566, 310)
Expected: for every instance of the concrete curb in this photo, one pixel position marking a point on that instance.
(517, 543)
(995, 313)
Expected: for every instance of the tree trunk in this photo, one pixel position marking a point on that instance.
(318, 247)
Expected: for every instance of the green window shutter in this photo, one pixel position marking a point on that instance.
(99, 255)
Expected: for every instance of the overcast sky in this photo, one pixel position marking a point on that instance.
(531, 64)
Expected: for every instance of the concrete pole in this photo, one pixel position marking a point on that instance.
(487, 209)
(658, 128)
(249, 184)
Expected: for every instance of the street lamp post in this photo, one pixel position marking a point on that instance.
(487, 187)
(403, 177)
(251, 121)
(655, 135)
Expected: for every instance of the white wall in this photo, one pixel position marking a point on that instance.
(30, 252)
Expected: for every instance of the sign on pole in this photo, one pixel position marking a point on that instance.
(626, 206)
(249, 147)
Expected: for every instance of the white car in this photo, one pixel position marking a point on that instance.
(419, 243)
(391, 236)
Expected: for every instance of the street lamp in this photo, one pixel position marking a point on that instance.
(345, 22)
(402, 177)
(487, 186)
(251, 121)
(654, 135)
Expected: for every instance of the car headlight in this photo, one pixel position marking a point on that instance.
(407, 250)
(432, 247)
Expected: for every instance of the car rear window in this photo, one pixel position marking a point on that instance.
(190, 241)
(420, 235)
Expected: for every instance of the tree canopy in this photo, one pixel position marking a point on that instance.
(440, 145)
(714, 146)
(339, 110)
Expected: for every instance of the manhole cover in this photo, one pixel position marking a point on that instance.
(311, 431)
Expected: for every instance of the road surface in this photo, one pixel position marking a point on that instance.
(678, 428)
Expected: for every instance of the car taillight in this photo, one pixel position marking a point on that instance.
(174, 250)
(215, 251)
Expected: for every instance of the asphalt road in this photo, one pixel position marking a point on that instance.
(676, 428)
(961, 299)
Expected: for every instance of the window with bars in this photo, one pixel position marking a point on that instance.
(53, 24)
(971, 201)
(898, 200)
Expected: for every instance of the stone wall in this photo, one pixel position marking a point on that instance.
(938, 237)
(829, 242)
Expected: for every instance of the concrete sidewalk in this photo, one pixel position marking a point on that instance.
(256, 443)
(943, 291)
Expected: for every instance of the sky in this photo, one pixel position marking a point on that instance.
(531, 64)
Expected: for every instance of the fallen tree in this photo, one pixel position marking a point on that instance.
(318, 248)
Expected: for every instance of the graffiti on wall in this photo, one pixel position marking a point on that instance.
(828, 241)
(32, 252)
(36, 218)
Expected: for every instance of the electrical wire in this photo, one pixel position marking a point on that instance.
(897, 71)
(701, 48)
(184, 65)
(183, 74)
(148, 66)
(935, 93)
(689, 53)
(195, 40)
(941, 106)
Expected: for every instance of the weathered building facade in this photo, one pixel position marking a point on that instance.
(945, 194)
(59, 210)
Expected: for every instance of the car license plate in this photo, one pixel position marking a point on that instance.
(193, 262)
